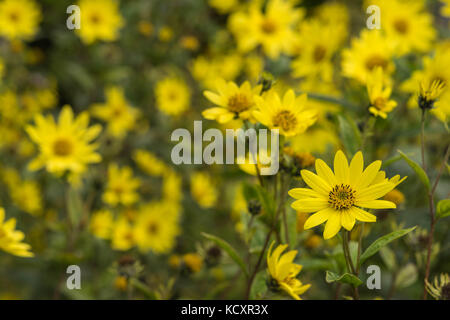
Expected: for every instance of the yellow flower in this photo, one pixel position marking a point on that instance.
(122, 235)
(272, 29)
(338, 197)
(165, 34)
(193, 261)
(172, 187)
(100, 20)
(379, 89)
(121, 187)
(121, 283)
(406, 25)
(429, 92)
(11, 239)
(2, 69)
(155, 229)
(445, 9)
(290, 115)
(283, 272)
(436, 68)
(395, 196)
(316, 140)
(367, 52)
(119, 115)
(320, 43)
(145, 28)
(189, 43)
(232, 101)
(172, 96)
(66, 145)
(203, 190)
(313, 241)
(149, 163)
(206, 70)
(19, 19)
(224, 6)
(101, 224)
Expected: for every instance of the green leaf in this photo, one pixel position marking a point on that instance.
(381, 242)
(228, 249)
(349, 133)
(443, 208)
(348, 278)
(406, 276)
(74, 206)
(417, 169)
(390, 161)
(259, 286)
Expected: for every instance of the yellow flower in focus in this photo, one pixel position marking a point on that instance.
(232, 101)
(203, 190)
(100, 20)
(101, 224)
(193, 261)
(172, 96)
(337, 198)
(19, 19)
(406, 25)
(149, 163)
(119, 115)
(290, 115)
(369, 51)
(379, 89)
(273, 29)
(122, 235)
(121, 186)
(283, 271)
(66, 145)
(155, 230)
(11, 239)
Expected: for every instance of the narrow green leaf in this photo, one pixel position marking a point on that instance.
(349, 133)
(228, 249)
(443, 208)
(417, 169)
(348, 278)
(381, 242)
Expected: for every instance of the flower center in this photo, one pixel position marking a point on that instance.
(14, 16)
(380, 103)
(319, 53)
(95, 18)
(401, 26)
(341, 197)
(268, 26)
(152, 228)
(285, 119)
(375, 61)
(62, 147)
(238, 103)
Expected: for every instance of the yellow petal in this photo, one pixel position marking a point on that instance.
(317, 183)
(333, 225)
(324, 171)
(376, 204)
(299, 193)
(341, 167)
(356, 167)
(318, 218)
(362, 215)
(310, 205)
(374, 191)
(347, 220)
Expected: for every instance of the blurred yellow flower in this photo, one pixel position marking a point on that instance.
(290, 115)
(101, 224)
(337, 198)
(66, 145)
(445, 9)
(368, 51)
(272, 28)
(149, 163)
(145, 28)
(172, 96)
(172, 187)
(165, 34)
(379, 88)
(193, 261)
(100, 20)
(11, 239)
(121, 186)
(283, 271)
(119, 115)
(19, 19)
(395, 196)
(122, 235)
(232, 101)
(121, 283)
(155, 230)
(189, 43)
(224, 6)
(406, 25)
(203, 189)
(206, 69)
